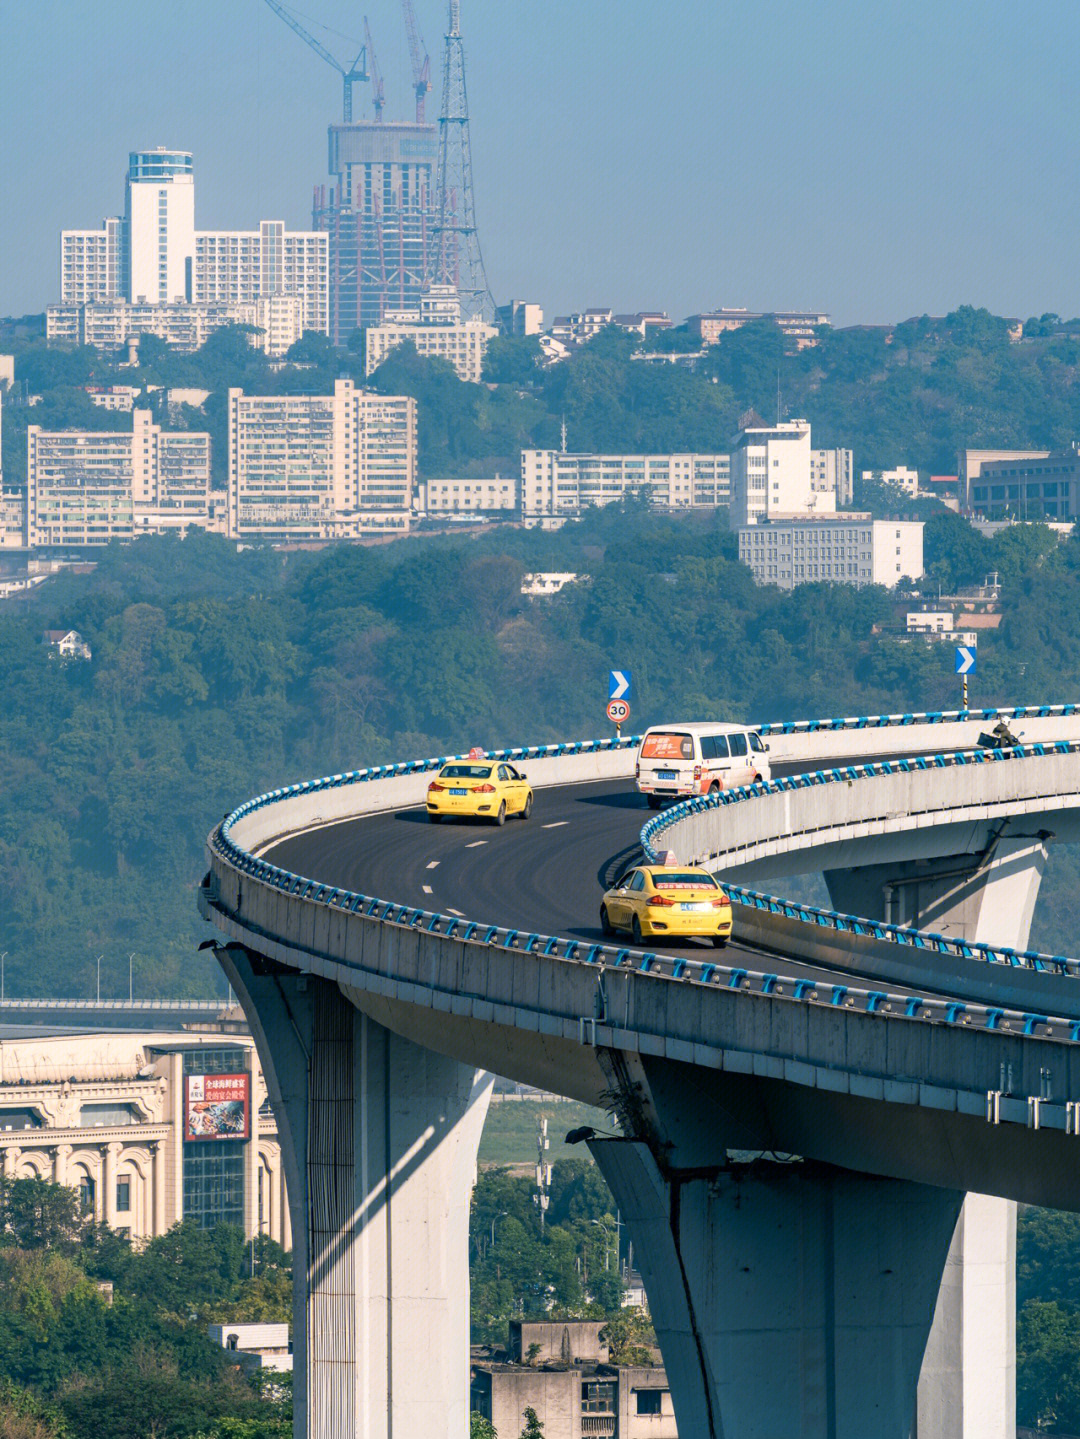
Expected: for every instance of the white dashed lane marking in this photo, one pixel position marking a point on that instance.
(456, 912)
(556, 824)
(475, 843)
(434, 864)
(428, 889)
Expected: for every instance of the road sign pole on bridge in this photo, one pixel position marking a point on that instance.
(965, 665)
(620, 689)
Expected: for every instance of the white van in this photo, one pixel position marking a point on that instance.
(677, 760)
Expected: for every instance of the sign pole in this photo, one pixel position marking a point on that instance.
(963, 683)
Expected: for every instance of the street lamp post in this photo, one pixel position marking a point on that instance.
(2, 958)
(131, 980)
(99, 959)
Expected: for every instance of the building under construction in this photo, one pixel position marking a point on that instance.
(399, 211)
(378, 214)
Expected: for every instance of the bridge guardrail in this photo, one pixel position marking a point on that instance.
(873, 1001)
(854, 924)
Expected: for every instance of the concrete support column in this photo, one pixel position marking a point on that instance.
(790, 1300)
(378, 1139)
(11, 1160)
(273, 1198)
(286, 1214)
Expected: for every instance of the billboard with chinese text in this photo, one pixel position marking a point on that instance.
(217, 1106)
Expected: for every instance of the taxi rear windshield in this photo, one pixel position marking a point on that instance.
(465, 771)
(675, 880)
(667, 746)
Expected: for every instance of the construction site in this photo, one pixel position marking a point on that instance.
(398, 209)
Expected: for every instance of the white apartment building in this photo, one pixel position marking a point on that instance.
(797, 325)
(447, 497)
(87, 488)
(559, 485)
(850, 549)
(521, 317)
(153, 255)
(320, 467)
(902, 477)
(774, 471)
(110, 324)
(437, 330)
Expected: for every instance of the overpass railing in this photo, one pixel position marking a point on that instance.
(656, 829)
(226, 844)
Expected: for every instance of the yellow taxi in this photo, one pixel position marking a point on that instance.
(486, 789)
(669, 900)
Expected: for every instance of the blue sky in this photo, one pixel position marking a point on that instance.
(871, 160)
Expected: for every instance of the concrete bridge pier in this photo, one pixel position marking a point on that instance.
(791, 1300)
(379, 1139)
(968, 1384)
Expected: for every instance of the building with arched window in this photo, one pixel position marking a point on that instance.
(149, 1127)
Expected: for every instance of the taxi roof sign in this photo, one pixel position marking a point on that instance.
(669, 858)
(475, 753)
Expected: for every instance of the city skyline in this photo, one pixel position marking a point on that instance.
(873, 165)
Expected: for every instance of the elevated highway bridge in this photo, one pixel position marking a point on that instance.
(799, 1123)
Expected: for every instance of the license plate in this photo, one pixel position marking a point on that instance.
(694, 908)
(666, 774)
(459, 791)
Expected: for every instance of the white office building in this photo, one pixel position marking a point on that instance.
(775, 471)
(437, 330)
(277, 322)
(87, 488)
(153, 256)
(850, 549)
(555, 485)
(480, 497)
(321, 467)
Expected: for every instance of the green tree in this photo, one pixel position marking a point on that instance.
(533, 1428)
(629, 1337)
(481, 1428)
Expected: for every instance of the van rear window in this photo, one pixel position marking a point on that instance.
(667, 746)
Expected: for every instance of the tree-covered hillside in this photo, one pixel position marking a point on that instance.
(217, 674)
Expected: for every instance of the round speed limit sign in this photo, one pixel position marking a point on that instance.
(618, 711)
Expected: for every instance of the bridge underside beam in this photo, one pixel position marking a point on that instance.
(379, 1137)
(789, 1299)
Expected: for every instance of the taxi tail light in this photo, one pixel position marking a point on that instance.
(660, 899)
(435, 785)
(720, 903)
(485, 789)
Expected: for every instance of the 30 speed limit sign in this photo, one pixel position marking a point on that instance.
(618, 711)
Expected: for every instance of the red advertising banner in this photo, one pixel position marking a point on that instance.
(217, 1106)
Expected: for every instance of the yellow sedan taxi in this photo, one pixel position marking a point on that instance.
(485, 789)
(657, 901)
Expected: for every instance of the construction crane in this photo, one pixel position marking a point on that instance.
(357, 70)
(421, 64)
(378, 91)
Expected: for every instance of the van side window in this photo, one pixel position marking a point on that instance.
(755, 743)
(708, 747)
(720, 741)
(738, 744)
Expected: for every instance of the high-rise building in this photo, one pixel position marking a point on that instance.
(153, 255)
(89, 487)
(774, 471)
(319, 467)
(377, 218)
